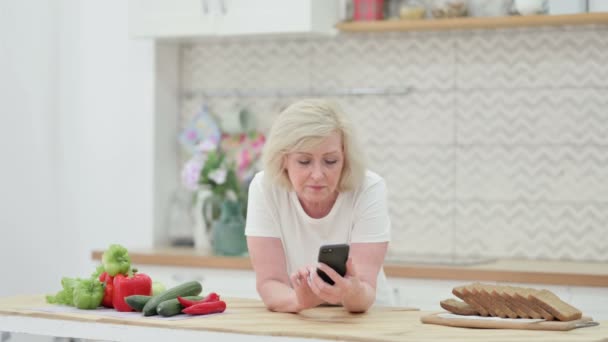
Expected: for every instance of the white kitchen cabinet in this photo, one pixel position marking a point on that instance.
(166, 18)
(227, 283)
(219, 18)
(425, 294)
(592, 301)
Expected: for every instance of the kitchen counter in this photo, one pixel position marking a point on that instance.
(507, 270)
(248, 319)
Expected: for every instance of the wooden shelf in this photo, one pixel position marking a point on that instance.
(468, 23)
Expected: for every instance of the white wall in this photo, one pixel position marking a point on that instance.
(76, 139)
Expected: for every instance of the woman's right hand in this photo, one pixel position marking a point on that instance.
(300, 280)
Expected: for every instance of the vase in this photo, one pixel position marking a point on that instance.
(202, 238)
(228, 232)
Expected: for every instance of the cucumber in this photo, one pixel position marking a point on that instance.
(172, 307)
(137, 302)
(191, 288)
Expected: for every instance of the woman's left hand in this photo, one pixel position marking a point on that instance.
(343, 286)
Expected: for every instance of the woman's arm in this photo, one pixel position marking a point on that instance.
(272, 282)
(367, 259)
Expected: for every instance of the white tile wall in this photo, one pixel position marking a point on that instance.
(500, 150)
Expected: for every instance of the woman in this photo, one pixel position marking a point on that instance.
(315, 190)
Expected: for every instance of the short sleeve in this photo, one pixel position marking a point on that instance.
(260, 221)
(372, 222)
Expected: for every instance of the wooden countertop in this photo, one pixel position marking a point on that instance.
(508, 270)
(250, 318)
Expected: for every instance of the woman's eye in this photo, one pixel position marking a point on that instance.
(304, 162)
(331, 162)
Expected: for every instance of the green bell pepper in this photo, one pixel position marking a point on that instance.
(116, 260)
(88, 294)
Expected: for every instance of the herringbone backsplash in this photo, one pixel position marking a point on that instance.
(499, 150)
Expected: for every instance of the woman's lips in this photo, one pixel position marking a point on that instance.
(316, 187)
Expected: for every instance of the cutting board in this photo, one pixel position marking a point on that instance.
(452, 320)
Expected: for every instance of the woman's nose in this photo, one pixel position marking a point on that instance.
(317, 172)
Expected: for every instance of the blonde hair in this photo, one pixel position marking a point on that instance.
(302, 126)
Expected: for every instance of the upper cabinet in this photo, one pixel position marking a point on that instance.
(209, 18)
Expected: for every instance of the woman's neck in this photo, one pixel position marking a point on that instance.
(320, 209)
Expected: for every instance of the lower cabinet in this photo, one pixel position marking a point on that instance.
(424, 294)
(593, 301)
(228, 283)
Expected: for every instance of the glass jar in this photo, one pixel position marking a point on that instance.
(449, 8)
(489, 8)
(530, 7)
(412, 10)
(391, 9)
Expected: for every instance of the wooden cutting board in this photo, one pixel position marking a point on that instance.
(452, 320)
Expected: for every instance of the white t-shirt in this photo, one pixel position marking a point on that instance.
(360, 215)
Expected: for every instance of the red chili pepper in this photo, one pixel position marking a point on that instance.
(108, 289)
(212, 297)
(134, 284)
(205, 308)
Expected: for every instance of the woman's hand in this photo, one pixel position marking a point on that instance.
(304, 294)
(343, 289)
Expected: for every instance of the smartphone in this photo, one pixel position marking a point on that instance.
(334, 256)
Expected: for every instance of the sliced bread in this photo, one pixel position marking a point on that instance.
(457, 307)
(555, 306)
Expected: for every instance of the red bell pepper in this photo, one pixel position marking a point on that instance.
(205, 308)
(211, 297)
(131, 284)
(108, 289)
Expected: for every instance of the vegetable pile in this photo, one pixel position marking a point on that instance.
(116, 284)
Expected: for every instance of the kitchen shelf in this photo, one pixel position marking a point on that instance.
(467, 23)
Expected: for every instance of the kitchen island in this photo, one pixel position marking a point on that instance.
(248, 319)
(416, 282)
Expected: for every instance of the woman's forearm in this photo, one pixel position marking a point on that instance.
(278, 296)
(361, 299)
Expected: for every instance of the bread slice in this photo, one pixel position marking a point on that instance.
(512, 305)
(555, 306)
(457, 307)
(508, 292)
(462, 293)
(498, 301)
(490, 304)
(523, 293)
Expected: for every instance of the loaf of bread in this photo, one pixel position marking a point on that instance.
(509, 302)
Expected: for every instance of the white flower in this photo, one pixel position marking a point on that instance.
(206, 146)
(218, 176)
(231, 195)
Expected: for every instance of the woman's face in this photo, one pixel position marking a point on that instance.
(315, 173)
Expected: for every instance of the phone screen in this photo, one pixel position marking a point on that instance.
(334, 256)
